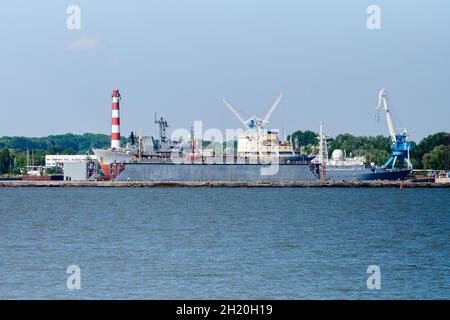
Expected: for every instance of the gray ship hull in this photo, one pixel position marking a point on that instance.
(364, 173)
(213, 172)
(247, 172)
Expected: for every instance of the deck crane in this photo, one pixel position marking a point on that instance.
(401, 145)
(254, 122)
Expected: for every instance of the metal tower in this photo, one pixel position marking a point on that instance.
(323, 153)
(162, 132)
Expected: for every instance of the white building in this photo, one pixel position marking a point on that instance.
(53, 160)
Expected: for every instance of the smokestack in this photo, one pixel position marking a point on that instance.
(115, 126)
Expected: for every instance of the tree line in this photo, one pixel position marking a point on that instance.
(13, 150)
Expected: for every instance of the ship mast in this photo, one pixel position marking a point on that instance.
(323, 152)
(162, 132)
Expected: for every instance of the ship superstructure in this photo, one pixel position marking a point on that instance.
(266, 144)
(257, 142)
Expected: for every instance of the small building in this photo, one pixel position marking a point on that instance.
(76, 171)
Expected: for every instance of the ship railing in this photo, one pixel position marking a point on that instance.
(225, 160)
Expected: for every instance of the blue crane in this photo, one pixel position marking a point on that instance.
(401, 145)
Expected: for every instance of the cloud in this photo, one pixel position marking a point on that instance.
(84, 43)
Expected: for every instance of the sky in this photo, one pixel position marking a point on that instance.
(180, 58)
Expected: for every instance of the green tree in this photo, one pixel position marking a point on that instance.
(55, 144)
(374, 149)
(49, 171)
(435, 159)
(427, 145)
(359, 145)
(379, 157)
(304, 138)
(5, 161)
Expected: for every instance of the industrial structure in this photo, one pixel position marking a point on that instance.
(401, 145)
(115, 125)
(323, 153)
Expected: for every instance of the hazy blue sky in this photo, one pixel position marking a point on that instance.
(180, 58)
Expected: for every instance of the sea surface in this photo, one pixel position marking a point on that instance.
(224, 243)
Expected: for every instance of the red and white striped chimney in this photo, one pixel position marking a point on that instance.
(115, 125)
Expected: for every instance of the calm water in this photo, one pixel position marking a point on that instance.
(224, 243)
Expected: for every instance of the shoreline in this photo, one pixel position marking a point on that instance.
(227, 184)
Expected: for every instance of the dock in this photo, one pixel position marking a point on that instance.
(223, 184)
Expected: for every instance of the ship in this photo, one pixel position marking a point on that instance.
(340, 167)
(259, 155)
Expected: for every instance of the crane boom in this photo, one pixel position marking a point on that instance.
(254, 122)
(382, 100)
(272, 108)
(244, 123)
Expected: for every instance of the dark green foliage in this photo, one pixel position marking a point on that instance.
(38, 147)
(304, 138)
(57, 144)
(374, 149)
(6, 161)
(358, 146)
(50, 171)
(425, 152)
(435, 159)
(376, 156)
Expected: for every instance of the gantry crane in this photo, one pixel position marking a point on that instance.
(401, 146)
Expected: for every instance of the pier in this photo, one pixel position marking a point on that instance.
(224, 184)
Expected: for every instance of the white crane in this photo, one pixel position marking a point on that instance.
(254, 121)
(382, 103)
(271, 110)
(244, 123)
